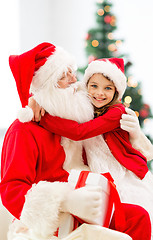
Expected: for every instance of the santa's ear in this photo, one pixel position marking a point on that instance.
(25, 114)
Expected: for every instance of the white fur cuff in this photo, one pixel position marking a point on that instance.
(42, 208)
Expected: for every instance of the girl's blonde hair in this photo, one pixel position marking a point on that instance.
(100, 111)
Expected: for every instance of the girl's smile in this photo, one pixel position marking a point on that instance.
(101, 90)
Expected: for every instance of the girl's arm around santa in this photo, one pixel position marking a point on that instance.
(107, 122)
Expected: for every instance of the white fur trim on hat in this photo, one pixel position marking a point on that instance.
(25, 114)
(41, 210)
(53, 69)
(109, 70)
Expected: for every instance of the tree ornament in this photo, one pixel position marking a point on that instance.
(95, 43)
(87, 37)
(112, 47)
(128, 99)
(113, 21)
(107, 8)
(91, 58)
(144, 113)
(107, 19)
(100, 12)
(110, 36)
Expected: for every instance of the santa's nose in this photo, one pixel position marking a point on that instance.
(73, 78)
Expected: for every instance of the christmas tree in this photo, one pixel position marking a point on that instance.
(100, 43)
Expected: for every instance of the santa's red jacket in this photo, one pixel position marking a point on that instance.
(108, 125)
(32, 159)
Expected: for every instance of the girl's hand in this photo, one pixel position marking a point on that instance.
(38, 111)
(130, 123)
(139, 141)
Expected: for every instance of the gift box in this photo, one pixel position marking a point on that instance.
(90, 232)
(84, 178)
(110, 202)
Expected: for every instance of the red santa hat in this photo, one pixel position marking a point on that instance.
(41, 65)
(113, 68)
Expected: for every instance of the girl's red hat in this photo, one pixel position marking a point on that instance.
(113, 68)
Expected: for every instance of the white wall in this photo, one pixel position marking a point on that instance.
(9, 44)
(134, 24)
(59, 22)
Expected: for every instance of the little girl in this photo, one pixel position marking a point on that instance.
(111, 151)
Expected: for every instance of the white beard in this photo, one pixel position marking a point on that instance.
(70, 103)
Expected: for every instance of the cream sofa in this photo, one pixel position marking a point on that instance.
(5, 219)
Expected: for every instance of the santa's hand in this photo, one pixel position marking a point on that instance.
(130, 123)
(38, 111)
(84, 202)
